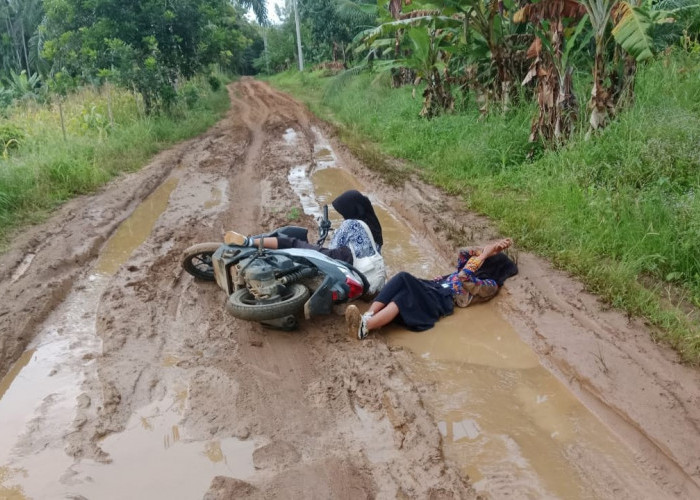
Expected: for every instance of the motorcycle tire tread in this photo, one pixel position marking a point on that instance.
(194, 251)
(263, 312)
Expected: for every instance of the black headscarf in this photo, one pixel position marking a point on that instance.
(354, 205)
(498, 268)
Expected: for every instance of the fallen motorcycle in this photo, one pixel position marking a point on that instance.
(272, 286)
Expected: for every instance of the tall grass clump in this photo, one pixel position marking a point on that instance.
(619, 209)
(106, 133)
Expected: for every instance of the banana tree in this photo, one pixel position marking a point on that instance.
(486, 35)
(429, 43)
(429, 61)
(551, 55)
(630, 24)
(633, 30)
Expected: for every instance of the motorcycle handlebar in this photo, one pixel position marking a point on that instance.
(323, 227)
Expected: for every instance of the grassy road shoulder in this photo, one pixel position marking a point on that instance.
(106, 133)
(618, 210)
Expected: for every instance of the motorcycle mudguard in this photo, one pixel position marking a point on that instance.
(321, 302)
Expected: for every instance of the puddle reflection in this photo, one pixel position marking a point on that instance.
(160, 460)
(38, 394)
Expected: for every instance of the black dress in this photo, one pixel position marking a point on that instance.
(421, 302)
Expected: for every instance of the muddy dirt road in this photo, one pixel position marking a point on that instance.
(123, 376)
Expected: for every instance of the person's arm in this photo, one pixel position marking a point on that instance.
(464, 254)
(477, 290)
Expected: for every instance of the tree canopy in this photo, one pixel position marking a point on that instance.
(145, 44)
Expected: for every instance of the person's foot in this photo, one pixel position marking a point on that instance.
(356, 322)
(234, 238)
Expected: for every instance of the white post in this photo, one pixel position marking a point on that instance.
(296, 20)
(267, 54)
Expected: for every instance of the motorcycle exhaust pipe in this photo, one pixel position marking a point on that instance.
(296, 275)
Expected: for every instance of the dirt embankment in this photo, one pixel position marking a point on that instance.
(330, 417)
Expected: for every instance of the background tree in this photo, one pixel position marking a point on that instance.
(333, 25)
(20, 20)
(148, 44)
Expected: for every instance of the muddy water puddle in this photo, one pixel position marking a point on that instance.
(39, 394)
(156, 459)
(153, 457)
(134, 230)
(507, 422)
(215, 199)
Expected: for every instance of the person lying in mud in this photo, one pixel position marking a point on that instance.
(358, 241)
(418, 304)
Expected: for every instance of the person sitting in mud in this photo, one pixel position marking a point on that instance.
(358, 240)
(418, 304)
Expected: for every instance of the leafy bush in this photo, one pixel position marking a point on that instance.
(214, 82)
(189, 92)
(92, 119)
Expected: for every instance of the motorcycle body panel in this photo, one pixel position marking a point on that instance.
(327, 278)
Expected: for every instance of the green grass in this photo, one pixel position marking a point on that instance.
(45, 170)
(619, 210)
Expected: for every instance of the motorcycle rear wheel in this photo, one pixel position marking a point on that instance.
(196, 260)
(243, 305)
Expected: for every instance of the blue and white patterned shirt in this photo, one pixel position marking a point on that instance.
(353, 234)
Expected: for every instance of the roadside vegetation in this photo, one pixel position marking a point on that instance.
(107, 132)
(92, 89)
(574, 125)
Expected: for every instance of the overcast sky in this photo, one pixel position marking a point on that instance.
(271, 9)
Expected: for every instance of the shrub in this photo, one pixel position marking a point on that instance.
(190, 94)
(214, 82)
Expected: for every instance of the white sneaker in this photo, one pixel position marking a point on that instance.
(357, 323)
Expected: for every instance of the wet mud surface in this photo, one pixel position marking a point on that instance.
(124, 375)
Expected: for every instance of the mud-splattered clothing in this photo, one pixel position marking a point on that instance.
(466, 287)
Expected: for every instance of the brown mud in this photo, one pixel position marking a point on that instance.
(122, 375)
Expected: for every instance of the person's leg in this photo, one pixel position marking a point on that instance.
(383, 316)
(234, 238)
(375, 307)
(268, 242)
(382, 311)
(378, 315)
(283, 242)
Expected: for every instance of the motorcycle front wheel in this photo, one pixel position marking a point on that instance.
(196, 260)
(242, 304)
